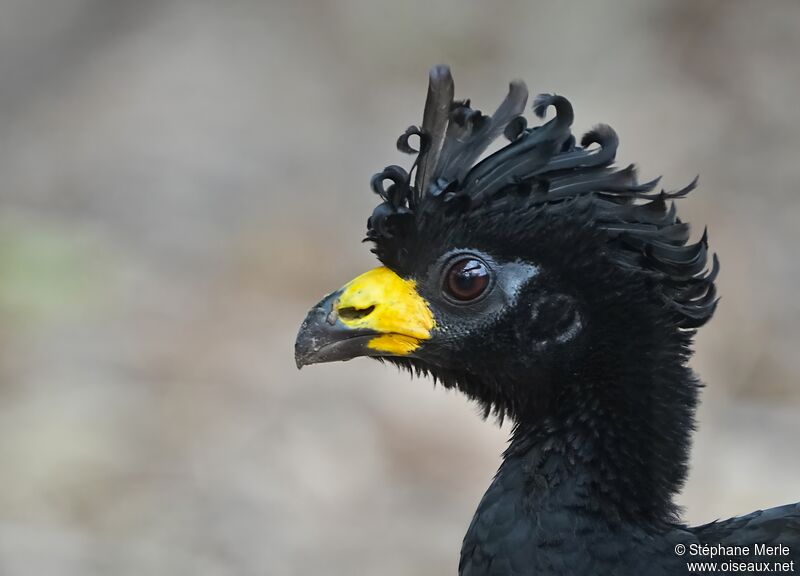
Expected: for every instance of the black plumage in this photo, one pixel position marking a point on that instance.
(564, 294)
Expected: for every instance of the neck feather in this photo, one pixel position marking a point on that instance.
(621, 429)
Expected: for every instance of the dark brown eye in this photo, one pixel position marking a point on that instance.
(466, 279)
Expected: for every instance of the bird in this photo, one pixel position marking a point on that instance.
(554, 289)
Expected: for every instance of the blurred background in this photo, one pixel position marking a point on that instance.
(181, 180)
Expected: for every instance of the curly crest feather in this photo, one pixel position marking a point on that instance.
(552, 173)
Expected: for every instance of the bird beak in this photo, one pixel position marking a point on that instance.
(376, 314)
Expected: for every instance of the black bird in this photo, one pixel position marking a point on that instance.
(554, 289)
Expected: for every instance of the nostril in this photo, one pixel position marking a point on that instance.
(351, 313)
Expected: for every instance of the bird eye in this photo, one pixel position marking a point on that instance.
(466, 279)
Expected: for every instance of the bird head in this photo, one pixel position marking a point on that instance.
(507, 274)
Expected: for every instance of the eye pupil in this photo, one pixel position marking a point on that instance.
(467, 279)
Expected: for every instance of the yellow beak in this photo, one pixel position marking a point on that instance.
(375, 314)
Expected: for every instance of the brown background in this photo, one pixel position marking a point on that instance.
(180, 181)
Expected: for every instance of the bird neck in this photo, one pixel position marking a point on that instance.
(616, 435)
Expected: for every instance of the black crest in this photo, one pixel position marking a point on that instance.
(546, 166)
